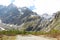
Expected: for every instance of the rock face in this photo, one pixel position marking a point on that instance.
(54, 24)
(24, 18)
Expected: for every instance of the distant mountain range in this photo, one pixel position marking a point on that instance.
(24, 18)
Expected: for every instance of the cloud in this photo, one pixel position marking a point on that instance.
(5, 2)
(47, 6)
(23, 3)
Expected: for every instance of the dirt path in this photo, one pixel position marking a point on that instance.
(32, 37)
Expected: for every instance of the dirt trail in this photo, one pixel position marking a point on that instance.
(32, 37)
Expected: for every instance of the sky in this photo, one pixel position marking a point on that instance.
(39, 6)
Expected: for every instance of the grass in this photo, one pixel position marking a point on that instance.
(12, 32)
(52, 33)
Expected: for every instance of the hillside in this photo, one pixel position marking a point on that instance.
(54, 24)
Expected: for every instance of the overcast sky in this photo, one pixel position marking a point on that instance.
(39, 6)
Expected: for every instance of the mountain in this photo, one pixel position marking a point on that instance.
(25, 19)
(13, 15)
